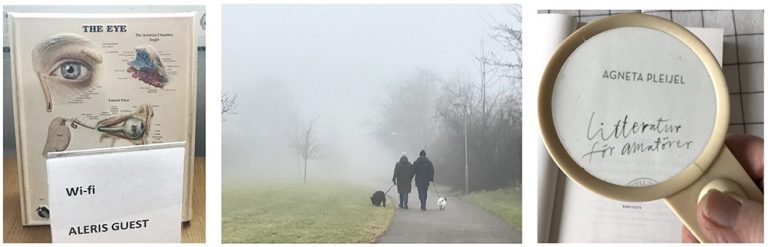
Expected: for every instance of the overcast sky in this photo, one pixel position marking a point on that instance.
(333, 62)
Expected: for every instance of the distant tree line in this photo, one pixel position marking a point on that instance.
(425, 110)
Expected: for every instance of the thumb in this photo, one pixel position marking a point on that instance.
(728, 219)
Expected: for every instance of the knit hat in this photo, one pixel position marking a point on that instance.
(402, 154)
(423, 153)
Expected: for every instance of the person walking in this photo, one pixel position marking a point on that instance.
(402, 178)
(425, 173)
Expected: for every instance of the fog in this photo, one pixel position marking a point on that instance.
(290, 64)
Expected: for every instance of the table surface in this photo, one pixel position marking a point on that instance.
(13, 232)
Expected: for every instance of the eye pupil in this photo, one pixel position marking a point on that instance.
(70, 70)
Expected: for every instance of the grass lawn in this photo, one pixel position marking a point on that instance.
(311, 213)
(505, 203)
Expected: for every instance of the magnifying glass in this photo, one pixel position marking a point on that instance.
(635, 108)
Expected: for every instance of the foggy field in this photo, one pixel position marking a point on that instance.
(302, 213)
(505, 203)
(343, 101)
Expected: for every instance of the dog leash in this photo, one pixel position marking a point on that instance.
(390, 187)
(435, 187)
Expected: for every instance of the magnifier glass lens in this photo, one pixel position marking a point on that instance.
(634, 106)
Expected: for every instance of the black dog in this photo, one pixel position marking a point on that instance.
(378, 199)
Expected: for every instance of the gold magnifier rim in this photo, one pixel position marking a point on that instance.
(625, 193)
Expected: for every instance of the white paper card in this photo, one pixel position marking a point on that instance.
(127, 194)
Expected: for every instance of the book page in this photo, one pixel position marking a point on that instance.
(555, 28)
(588, 217)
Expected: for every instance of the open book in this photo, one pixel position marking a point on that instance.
(569, 212)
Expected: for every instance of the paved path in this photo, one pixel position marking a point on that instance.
(460, 222)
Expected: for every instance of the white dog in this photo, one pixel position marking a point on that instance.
(442, 202)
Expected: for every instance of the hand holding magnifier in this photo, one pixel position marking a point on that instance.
(635, 108)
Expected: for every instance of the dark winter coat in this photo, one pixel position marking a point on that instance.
(403, 175)
(424, 171)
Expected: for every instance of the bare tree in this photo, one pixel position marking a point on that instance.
(306, 144)
(487, 103)
(507, 34)
(510, 38)
(228, 105)
(407, 116)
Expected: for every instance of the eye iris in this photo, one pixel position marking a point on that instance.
(70, 70)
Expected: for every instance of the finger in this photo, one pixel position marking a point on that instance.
(748, 150)
(688, 236)
(725, 219)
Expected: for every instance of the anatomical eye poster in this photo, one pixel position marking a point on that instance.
(85, 81)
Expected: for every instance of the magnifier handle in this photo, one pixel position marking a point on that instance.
(726, 175)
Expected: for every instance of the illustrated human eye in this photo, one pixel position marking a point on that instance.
(65, 62)
(71, 71)
(126, 127)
